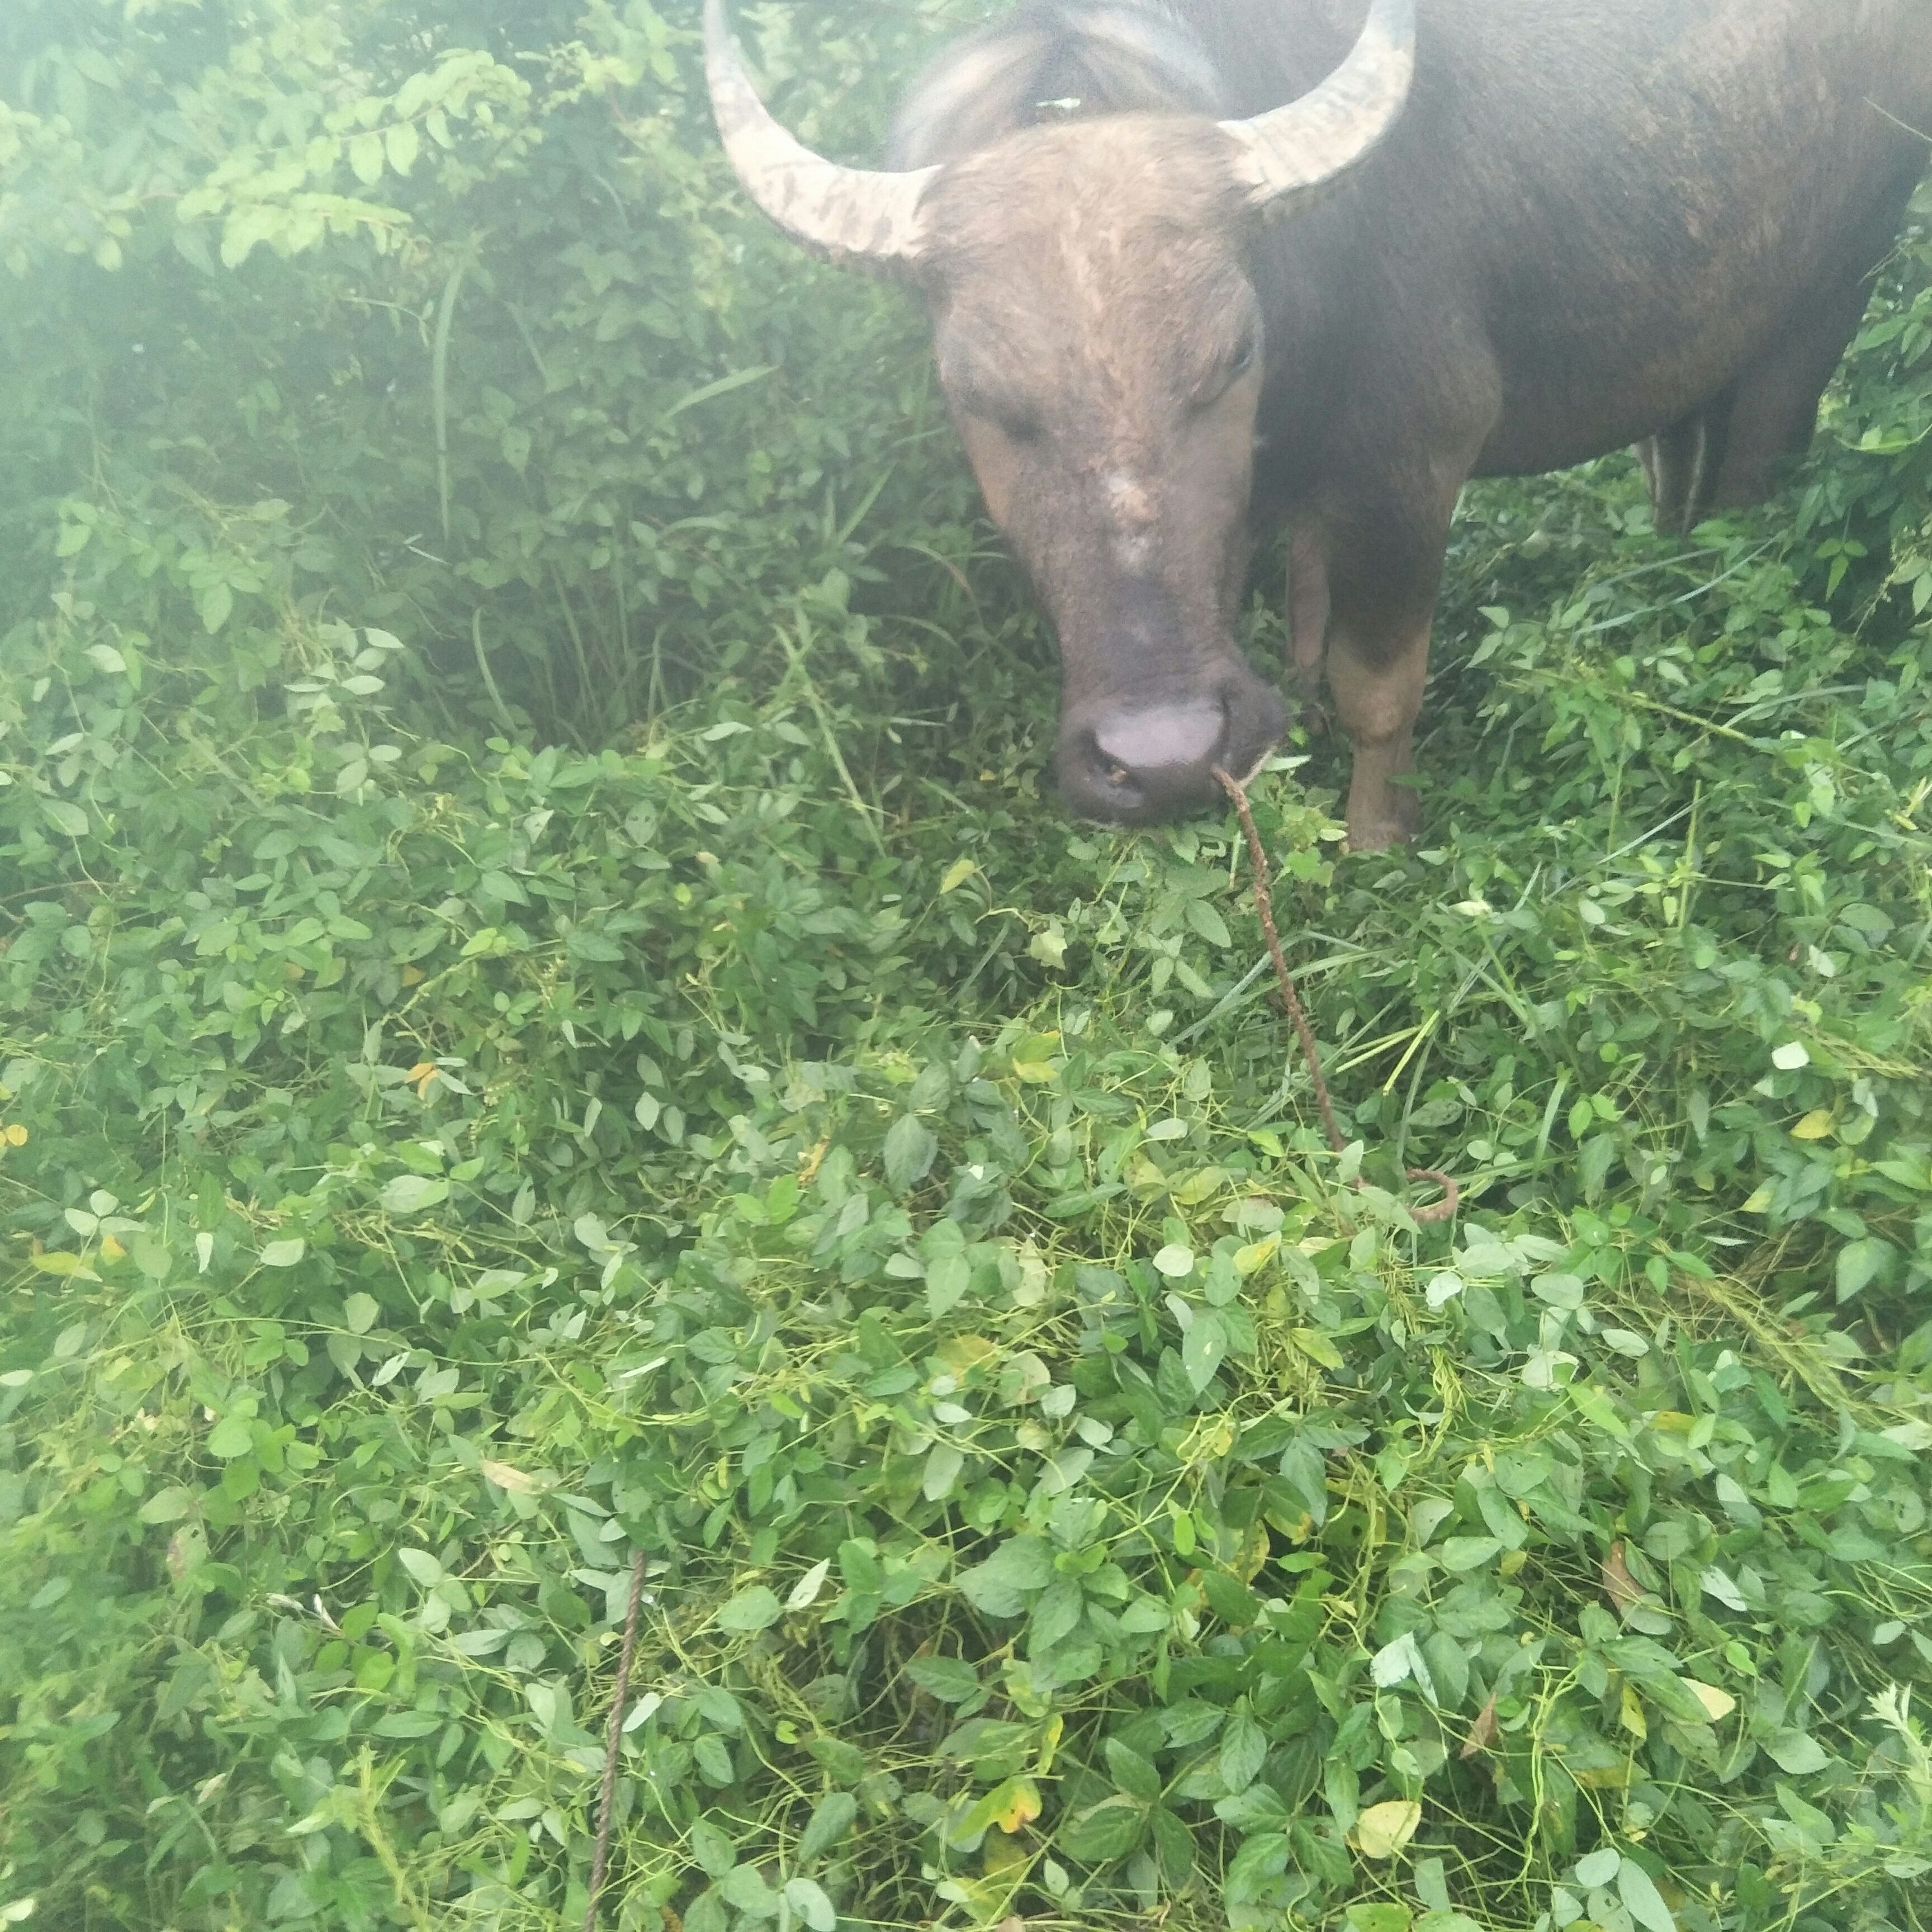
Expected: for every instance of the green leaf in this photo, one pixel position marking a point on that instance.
(1377, 1918)
(911, 1147)
(1244, 1748)
(1056, 1615)
(169, 1505)
(1103, 1832)
(1796, 1752)
(406, 1724)
(233, 1435)
(999, 1586)
(1461, 1554)
(1860, 1263)
(401, 144)
(756, 1609)
(1208, 923)
(412, 1193)
(944, 1462)
(1230, 1599)
(360, 1313)
(1642, 1899)
(1173, 1845)
(284, 1254)
(1204, 1348)
(1132, 1772)
(844, 1763)
(365, 157)
(1599, 1868)
(811, 1905)
(715, 1853)
(947, 1281)
(64, 817)
(951, 1679)
(216, 604)
(422, 1566)
(805, 1592)
(831, 1819)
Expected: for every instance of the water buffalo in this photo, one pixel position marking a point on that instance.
(1484, 238)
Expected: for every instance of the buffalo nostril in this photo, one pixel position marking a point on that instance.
(1171, 742)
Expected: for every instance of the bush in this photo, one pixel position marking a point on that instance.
(546, 1014)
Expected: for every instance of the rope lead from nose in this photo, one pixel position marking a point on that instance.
(614, 1738)
(1444, 1210)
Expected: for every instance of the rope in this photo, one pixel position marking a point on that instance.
(1444, 1210)
(600, 1857)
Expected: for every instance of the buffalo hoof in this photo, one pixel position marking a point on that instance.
(1386, 829)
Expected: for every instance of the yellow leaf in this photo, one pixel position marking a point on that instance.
(1719, 1704)
(1256, 1255)
(1317, 1347)
(506, 1477)
(1021, 1806)
(962, 1353)
(1816, 1125)
(60, 1261)
(1631, 1713)
(1200, 1186)
(1383, 1830)
(15, 1135)
(1759, 1201)
(413, 976)
(420, 1075)
(1050, 1733)
(1004, 1858)
(111, 1250)
(957, 874)
(1254, 1552)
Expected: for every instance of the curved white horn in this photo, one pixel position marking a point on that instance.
(848, 214)
(1291, 149)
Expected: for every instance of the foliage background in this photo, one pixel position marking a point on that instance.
(545, 1011)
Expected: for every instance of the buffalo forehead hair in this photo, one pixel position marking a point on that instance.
(1053, 61)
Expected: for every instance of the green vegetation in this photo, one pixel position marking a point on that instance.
(546, 1008)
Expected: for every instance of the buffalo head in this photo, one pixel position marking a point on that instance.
(1099, 342)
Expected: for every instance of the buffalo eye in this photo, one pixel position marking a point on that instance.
(1227, 374)
(1013, 418)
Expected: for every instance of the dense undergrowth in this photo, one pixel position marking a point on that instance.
(546, 1009)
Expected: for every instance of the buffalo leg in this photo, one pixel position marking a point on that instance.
(1682, 464)
(1777, 413)
(1308, 610)
(1377, 675)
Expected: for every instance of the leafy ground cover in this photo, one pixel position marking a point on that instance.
(545, 1011)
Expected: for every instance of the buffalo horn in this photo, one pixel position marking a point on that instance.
(848, 214)
(1292, 149)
